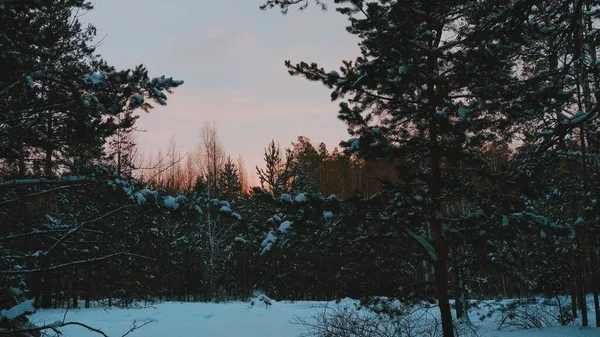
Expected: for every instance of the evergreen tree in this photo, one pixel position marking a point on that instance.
(277, 175)
(60, 102)
(229, 180)
(432, 80)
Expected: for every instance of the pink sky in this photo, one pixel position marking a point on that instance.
(230, 55)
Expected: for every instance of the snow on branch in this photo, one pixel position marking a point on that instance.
(63, 180)
(540, 220)
(423, 243)
(18, 310)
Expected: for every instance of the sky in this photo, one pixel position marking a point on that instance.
(230, 55)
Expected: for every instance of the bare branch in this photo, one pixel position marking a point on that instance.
(39, 193)
(69, 264)
(76, 229)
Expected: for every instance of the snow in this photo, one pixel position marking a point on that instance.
(334, 74)
(285, 197)
(327, 215)
(578, 118)
(333, 197)
(16, 291)
(225, 209)
(235, 319)
(198, 209)
(159, 96)
(139, 198)
(463, 112)
(268, 242)
(504, 221)
(18, 310)
(139, 98)
(43, 180)
(264, 298)
(95, 78)
(285, 226)
(267, 248)
(189, 319)
(301, 198)
(170, 202)
(423, 243)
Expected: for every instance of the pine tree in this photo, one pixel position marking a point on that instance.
(60, 102)
(432, 80)
(277, 175)
(229, 180)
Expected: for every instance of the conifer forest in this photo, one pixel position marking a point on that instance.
(467, 186)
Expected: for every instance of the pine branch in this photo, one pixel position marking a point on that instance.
(38, 181)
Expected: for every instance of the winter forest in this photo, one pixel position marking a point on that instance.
(464, 201)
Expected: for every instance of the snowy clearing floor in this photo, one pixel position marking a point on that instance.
(235, 319)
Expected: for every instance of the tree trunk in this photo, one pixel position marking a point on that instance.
(597, 308)
(442, 296)
(441, 246)
(458, 289)
(594, 277)
(88, 292)
(460, 297)
(580, 287)
(574, 296)
(581, 81)
(46, 295)
(49, 148)
(75, 289)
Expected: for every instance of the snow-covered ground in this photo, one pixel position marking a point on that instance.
(237, 319)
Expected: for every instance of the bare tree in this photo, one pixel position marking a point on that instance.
(190, 174)
(242, 174)
(210, 156)
(216, 235)
(171, 181)
(163, 170)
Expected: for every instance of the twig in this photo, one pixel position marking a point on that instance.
(135, 327)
